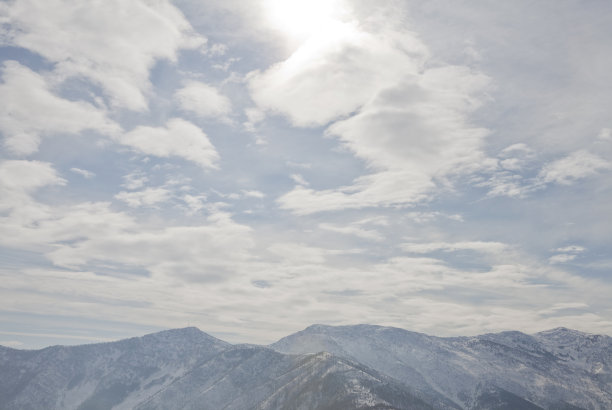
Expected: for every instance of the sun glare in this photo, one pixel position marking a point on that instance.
(302, 18)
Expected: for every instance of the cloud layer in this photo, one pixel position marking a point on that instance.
(239, 167)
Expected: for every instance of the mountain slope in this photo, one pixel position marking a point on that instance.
(188, 369)
(547, 369)
(321, 367)
(260, 378)
(100, 376)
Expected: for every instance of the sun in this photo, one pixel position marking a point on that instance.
(302, 18)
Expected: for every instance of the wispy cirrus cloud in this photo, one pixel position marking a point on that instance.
(578, 165)
(83, 172)
(383, 101)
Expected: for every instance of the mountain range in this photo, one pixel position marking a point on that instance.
(320, 367)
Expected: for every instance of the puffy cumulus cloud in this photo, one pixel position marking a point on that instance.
(19, 179)
(578, 165)
(203, 100)
(179, 138)
(333, 74)
(420, 124)
(27, 176)
(113, 43)
(31, 110)
(408, 121)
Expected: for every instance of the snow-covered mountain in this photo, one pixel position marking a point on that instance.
(100, 376)
(188, 369)
(260, 378)
(559, 368)
(321, 367)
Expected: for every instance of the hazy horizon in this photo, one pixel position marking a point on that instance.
(240, 341)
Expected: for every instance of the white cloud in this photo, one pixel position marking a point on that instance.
(298, 253)
(330, 76)
(30, 111)
(299, 179)
(478, 246)
(197, 251)
(353, 230)
(384, 188)
(83, 172)
(426, 217)
(134, 180)
(578, 165)
(203, 100)
(520, 148)
(504, 183)
(571, 249)
(254, 116)
(82, 234)
(410, 124)
(412, 117)
(27, 176)
(253, 194)
(193, 265)
(179, 138)
(194, 202)
(506, 176)
(146, 197)
(18, 180)
(566, 254)
(605, 134)
(561, 258)
(113, 43)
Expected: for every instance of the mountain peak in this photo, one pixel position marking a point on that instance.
(561, 332)
(189, 335)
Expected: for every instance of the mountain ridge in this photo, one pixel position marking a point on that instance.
(319, 367)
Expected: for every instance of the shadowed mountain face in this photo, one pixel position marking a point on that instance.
(101, 376)
(259, 378)
(550, 369)
(321, 367)
(188, 369)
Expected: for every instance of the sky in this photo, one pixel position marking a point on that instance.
(254, 167)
